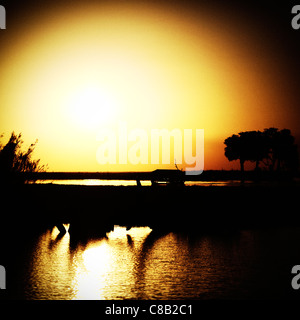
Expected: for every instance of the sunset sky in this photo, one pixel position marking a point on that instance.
(70, 69)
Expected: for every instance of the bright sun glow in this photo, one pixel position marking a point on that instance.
(90, 107)
(93, 66)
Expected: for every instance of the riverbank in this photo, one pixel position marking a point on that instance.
(207, 175)
(187, 208)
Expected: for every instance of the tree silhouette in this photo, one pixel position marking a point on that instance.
(281, 150)
(256, 146)
(14, 161)
(248, 145)
(272, 147)
(235, 149)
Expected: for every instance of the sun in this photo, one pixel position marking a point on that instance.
(90, 107)
(93, 66)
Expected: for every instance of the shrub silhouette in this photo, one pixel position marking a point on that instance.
(14, 161)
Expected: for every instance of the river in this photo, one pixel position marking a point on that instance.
(142, 264)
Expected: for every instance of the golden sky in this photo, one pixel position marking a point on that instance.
(69, 71)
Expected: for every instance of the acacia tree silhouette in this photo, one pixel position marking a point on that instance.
(282, 152)
(272, 147)
(238, 147)
(14, 161)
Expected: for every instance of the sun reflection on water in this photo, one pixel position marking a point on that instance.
(138, 264)
(91, 274)
(98, 269)
(104, 270)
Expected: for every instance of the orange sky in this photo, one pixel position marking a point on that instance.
(72, 71)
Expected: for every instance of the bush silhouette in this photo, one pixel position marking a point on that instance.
(14, 161)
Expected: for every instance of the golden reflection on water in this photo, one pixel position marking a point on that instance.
(138, 264)
(99, 269)
(95, 182)
(50, 269)
(105, 269)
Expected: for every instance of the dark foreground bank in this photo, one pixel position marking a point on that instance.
(194, 208)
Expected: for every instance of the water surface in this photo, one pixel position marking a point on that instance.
(140, 264)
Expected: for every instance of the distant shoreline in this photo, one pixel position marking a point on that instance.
(208, 175)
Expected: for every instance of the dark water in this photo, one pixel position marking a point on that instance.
(140, 264)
